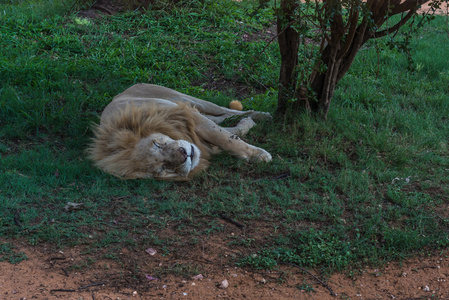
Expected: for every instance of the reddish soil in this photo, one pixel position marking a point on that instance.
(54, 275)
(443, 10)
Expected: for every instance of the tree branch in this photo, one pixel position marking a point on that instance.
(396, 26)
(407, 5)
(359, 40)
(351, 33)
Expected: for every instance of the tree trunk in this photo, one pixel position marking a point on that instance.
(288, 40)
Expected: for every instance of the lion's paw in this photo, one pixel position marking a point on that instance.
(260, 116)
(260, 155)
(246, 122)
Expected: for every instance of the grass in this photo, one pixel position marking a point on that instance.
(366, 186)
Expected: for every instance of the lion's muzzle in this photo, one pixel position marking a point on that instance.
(190, 154)
(185, 154)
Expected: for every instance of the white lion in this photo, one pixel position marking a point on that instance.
(150, 131)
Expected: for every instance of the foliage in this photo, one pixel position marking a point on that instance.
(329, 35)
(72, 67)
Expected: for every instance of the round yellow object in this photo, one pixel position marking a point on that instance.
(236, 105)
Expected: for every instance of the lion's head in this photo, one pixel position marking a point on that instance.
(165, 157)
(149, 141)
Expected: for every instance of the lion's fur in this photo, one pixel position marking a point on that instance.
(117, 135)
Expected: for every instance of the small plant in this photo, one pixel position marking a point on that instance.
(242, 241)
(306, 287)
(8, 253)
(186, 270)
(258, 261)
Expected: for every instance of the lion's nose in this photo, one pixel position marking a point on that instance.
(192, 153)
(183, 152)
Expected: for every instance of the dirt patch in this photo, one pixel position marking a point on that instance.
(442, 10)
(66, 275)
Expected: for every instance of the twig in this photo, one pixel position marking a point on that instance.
(93, 296)
(305, 271)
(277, 177)
(61, 290)
(226, 218)
(92, 284)
(57, 258)
(120, 198)
(53, 260)
(428, 267)
(274, 38)
(206, 260)
(100, 7)
(16, 218)
(202, 244)
(282, 176)
(20, 174)
(65, 272)
(264, 275)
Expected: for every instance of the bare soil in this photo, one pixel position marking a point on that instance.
(51, 274)
(442, 10)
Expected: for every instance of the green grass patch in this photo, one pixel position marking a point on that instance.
(366, 186)
(9, 253)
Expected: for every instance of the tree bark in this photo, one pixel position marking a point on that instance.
(288, 39)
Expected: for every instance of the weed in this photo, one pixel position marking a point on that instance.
(305, 287)
(242, 241)
(186, 270)
(258, 261)
(9, 253)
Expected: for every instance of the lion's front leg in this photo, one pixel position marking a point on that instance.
(242, 128)
(229, 141)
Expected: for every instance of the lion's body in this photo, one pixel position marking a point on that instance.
(141, 131)
(118, 135)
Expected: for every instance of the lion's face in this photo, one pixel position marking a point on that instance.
(165, 158)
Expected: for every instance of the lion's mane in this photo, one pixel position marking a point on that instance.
(118, 133)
